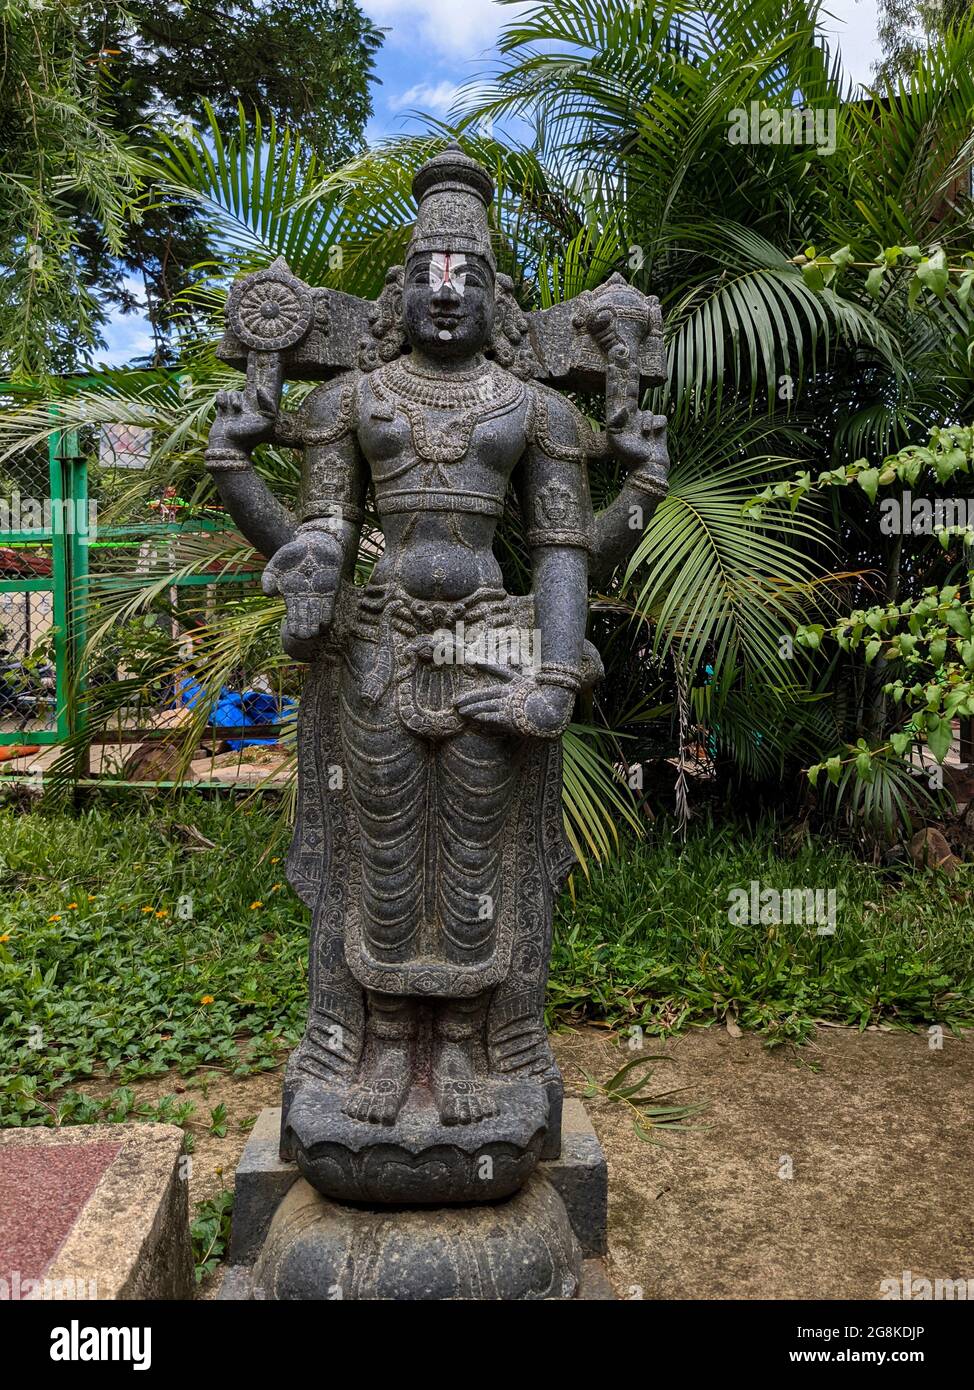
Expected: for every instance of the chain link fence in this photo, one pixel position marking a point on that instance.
(28, 693)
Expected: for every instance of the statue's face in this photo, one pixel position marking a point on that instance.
(448, 303)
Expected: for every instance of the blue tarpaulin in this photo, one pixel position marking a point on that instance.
(234, 709)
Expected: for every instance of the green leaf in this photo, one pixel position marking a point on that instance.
(813, 277)
(964, 286)
(939, 734)
(868, 480)
(933, 273)
(874, 281)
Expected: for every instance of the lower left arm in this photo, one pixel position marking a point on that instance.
(620, 527)
(265, 522)
(561, 608)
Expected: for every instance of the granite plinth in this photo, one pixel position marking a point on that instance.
(579, 1178)
(522, 1248)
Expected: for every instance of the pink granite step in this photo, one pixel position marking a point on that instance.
(42, 1192)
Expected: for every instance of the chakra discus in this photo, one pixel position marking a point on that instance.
(270, 310)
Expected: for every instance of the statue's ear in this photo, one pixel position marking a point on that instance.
(386, 338)
(509, 343)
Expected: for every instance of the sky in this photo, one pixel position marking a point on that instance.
(433, 47)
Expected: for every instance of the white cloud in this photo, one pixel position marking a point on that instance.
(127, 335)
(458, 29)
(852, 24)
(465, 29)
(424, 96)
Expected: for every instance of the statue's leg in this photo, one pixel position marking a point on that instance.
(387, 768)
(389, 1061)
(476, 780)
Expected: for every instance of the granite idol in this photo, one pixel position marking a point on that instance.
(428, 841)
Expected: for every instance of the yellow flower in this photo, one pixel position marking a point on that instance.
(5, 936)
(276, 859)
(274, 887)
(54, 917)
(148, 909)
(91, 897)
(256, 905)
(72, 907)
(207, 999)
(162, 913)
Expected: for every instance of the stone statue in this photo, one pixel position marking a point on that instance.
(429, 842)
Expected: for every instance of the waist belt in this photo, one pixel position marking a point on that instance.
(433, 500)
(385, 610)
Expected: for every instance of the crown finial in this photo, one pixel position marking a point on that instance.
(453, 192)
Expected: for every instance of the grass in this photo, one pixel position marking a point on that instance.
(648, 942)
(129, 949)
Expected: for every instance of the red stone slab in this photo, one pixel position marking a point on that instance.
(43, 1190)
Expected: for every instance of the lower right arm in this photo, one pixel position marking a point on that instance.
(265, 522)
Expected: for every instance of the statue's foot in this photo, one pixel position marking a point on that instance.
(379, 1096)
(463, 1102)
(461, 1098)
(378, 1101)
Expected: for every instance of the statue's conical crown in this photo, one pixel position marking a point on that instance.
(453, 192)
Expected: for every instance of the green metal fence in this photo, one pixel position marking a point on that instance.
(51, 569)
(40, 560)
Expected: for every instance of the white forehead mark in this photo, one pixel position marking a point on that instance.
(447, 268)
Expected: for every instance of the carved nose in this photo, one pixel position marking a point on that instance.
(445, 295)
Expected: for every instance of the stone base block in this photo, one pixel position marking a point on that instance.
(94, 1211)
(261, 1183)
(579, 1176)
(521, 1248)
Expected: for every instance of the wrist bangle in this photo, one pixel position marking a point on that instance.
(342, 512)
(537, 537)
(560, 674)
(222, 458)
(653, 485)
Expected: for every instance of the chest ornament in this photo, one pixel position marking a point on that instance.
(471, 398)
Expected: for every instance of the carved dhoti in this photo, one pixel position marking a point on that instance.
(429, 851)
(432, 796)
